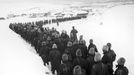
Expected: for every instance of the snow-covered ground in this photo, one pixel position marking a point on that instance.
(119, 24)
(115, 26)
(16, 56)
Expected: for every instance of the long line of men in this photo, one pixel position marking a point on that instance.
(55, 20)
(68, 54)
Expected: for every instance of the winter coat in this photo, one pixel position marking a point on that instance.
(64, 36)
(92, 45)
(80, 61)
(55, 59)
(44, 53)
(108, 59)
(68, 50)
(65, 69)
(74, 32)
(121, 70)
(90, 62)
(73, 52)
(60, 45)
(99, 69)
(44, 50)
(83, 50)
(82, 73)
(112, 54)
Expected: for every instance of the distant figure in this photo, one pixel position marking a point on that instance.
(57, 22)
(81, 39)
(90, 60)
(2, 18)
(49, 21)
(71, 37)
(65, 67)
(55, 58)
(108, 58)
(44, 52)
(121, 69)
(99, 68)
(91, 44)
(79, 60)
(101, 23)
(111, 51)
(68, 50)
(83, 47)
(74, 33)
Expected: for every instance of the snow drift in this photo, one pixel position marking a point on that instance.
(16, 57)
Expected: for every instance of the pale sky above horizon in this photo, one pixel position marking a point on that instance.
(15, 5)
(55, 1)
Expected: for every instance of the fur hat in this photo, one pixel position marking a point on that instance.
(43, 43)
(105, 48)
(77, 70)
(78, 52)
(54, 46)
(121, 61)
(97, 57)
(48, 38)
(69, 44)
(64, 57)
(63, 31)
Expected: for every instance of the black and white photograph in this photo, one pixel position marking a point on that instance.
(66, 37)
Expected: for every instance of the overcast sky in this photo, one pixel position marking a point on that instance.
(56, 1)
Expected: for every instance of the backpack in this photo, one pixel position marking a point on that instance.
(121, 71)
(99, 69)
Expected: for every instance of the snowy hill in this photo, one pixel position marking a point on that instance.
(65, 10)
(115, 25)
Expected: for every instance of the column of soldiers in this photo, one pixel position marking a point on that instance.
(50, 21)
(68, 54)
